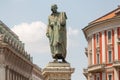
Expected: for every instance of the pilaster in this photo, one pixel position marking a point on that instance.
(92, 49)
(116, 74)
(115, 44)
(103, 47)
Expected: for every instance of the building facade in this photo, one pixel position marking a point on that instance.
(37, 73)
(103, 50)
(15, 63)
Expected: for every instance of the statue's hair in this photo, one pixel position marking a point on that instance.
(54, 6)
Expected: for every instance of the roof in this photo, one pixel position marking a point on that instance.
(9, 30)
(108, 15)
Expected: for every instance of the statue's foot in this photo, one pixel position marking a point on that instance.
(55, 60)
(64, 61)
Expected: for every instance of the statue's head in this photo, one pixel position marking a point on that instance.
(54, 8)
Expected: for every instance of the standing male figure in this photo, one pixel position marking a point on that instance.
(56, 32)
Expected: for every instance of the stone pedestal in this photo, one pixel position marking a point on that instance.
(57, 71)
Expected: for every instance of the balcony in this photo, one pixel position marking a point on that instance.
(86, 51)
(116, 64)
(118, 41)
(96, 68)
(85, 72)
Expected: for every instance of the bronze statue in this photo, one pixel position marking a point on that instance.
(56, 32)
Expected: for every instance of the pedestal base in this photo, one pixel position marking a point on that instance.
(57, 71)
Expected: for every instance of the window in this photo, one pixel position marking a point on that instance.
(109, 76)
(98, 58)
(118, 33)
(98, 78)
(109, 56)
(97, 39)
(109, 36)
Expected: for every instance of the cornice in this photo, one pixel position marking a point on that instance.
(98, 23)
(101, 22)
(4, 45)
(8, 30)
(8, 37)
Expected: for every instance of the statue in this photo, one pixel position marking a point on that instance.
(56, 32)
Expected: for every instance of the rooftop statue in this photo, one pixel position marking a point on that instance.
(56, 32)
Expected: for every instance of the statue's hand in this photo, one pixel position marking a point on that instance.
(52, 24)
(62, 25)
(47, 35)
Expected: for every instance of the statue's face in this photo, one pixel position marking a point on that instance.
(54, 8)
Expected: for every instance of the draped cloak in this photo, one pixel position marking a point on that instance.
(56, 32)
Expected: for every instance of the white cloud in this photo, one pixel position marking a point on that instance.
(73, 38)
(34, 36)
(72, 31)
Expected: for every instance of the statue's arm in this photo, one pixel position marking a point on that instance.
(47, 32)
(65, 15)
(63, 18)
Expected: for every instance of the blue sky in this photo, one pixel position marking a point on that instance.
(28, 18)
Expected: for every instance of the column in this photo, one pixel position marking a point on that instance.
(103, 76)
(89, 76)
(13, 75)
(89, 51)
(103, 47)
(20, 77)
(16, 75)
(116, 75)
(92, 49)
(115, 44)
(8, 74)
(2, 72)
(10, 77)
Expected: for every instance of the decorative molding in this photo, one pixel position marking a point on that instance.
(58, 71)
(102, 27)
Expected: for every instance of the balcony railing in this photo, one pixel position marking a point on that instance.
(86, 51)
(85, 72)
(116, 63)
(96, 68)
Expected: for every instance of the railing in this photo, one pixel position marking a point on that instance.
(85, 72)
(95, 68)
(15, 44)
(86, 51)
(116, 63)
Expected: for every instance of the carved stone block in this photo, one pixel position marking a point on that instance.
(57, 71)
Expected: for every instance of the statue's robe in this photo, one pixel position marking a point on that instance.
(56, 33)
